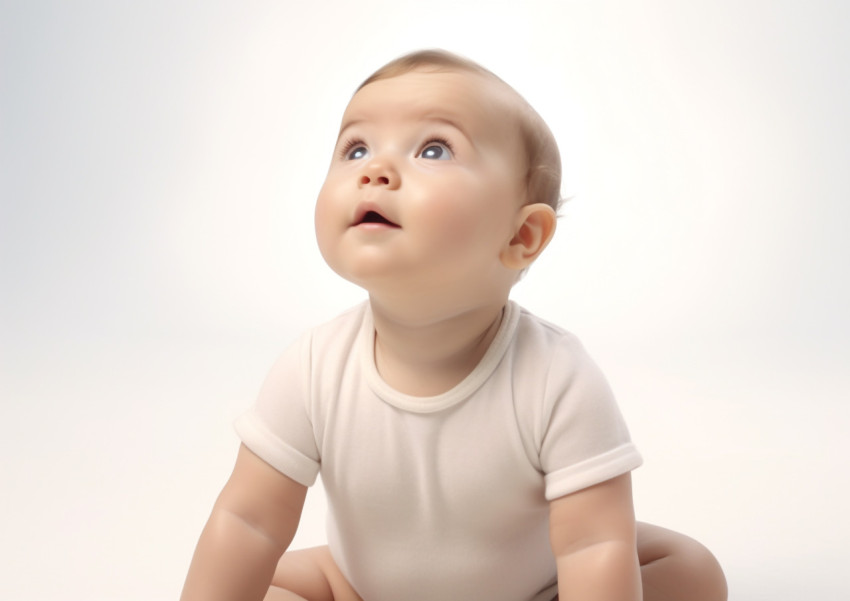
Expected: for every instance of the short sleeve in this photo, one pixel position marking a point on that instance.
(585, 438)
(277, 428)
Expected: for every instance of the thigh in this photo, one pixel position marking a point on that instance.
(674, 566)
(655, 543)
(311, 574)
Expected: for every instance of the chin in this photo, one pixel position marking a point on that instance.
(367, 278)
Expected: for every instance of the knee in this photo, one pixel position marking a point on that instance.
(707, 582)
(675, 567)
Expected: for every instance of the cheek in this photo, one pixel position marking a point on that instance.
(466, 215)
(454, 223)
(325, 218)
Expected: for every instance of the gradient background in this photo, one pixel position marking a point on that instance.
(158, 167)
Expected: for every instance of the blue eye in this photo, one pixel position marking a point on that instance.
(436, 150)
(357, 152)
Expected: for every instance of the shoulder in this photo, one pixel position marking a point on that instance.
(551, 363)
(547, 341)
(342, 330)
(314, 346)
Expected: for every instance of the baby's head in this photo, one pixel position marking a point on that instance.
(444, 182)
(542, 159)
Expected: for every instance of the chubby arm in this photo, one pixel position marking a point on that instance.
(593, 537)
(251, 525)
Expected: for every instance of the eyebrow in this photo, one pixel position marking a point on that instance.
(451, 123)
(433, 117)
(346, 124)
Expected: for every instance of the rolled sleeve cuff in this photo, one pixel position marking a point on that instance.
(281, 456)
(598, 469)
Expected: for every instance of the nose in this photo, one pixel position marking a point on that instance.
(379, 172)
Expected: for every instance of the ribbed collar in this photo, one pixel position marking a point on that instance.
(459, 393)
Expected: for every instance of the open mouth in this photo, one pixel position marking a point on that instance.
(376, 218)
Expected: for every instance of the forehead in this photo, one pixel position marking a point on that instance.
(473, 102)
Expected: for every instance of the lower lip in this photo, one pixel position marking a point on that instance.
(376, 227)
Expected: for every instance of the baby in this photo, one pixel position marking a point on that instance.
(469, 450)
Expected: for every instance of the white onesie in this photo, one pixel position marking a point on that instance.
(443, 497)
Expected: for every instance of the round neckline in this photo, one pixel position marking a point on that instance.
(460, 392)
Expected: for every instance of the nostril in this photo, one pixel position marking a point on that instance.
(365, 179)
(383, 180)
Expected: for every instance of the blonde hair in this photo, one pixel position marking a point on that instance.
(543, 174)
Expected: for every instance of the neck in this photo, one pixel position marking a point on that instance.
(427, 355)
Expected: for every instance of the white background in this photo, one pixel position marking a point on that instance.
(158, 166)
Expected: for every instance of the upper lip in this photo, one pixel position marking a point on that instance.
(368, 211)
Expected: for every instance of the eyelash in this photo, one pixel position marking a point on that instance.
(355, 142)
(349, 146)
(437, 140)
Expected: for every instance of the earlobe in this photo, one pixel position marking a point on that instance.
(535, 228)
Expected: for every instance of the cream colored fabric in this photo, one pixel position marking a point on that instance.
(442, 497)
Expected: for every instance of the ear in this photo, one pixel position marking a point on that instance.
(535, 227)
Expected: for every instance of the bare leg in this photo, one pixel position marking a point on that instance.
(279, 594)
(310, 575)
(674, 567)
